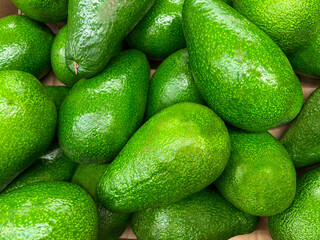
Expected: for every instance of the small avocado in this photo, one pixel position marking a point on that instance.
(179, 151)
(259, 178)
(25, 45)
(58, 94)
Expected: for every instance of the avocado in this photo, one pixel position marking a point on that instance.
(290, 23)
(96, 28)
(229, 2)
(51, 166)
(28, 119)
(172, 83)
(100, 114)
(259, 178)
(25, 45)
(159, 33)
(48, 11)
(179, 151)
(58, 94)
(205, 215)
(48, 210)
(301, 219)
(239, 71)
(111, 224)
(301, 139)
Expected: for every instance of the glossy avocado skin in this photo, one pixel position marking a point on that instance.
(172, 83)
(177, 152)
(259, 178)
(301, 219)
(96, 28)
(25, 45)
(100, 114)
(59, 210)
(240, 72)
(27, 123)
(290, 23)
(58, 94)
(197, 217)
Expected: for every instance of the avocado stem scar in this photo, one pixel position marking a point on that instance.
(75, 65)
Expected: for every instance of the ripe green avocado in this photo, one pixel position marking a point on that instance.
(205, 215)
(48, 210)
(25, 45)
(259, 178)
(95, 29)
(58, 94)
(240, 72)
(28, 119)
(100, 114)
(290, 23)
(302, 219)
(172, 83)
(177, 152)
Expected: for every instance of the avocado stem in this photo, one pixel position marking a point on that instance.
(75, 65)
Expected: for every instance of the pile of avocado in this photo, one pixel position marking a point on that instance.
(184, 156)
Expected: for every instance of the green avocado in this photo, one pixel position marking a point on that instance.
(302, 219)
(100, 114)
(28, 119)
(290, 23)
(259, 178)
(95, 29)
(58, 94)
(48, 210)
(239, 71)
(177, 152)
(202, 216)
(25, 45)
(172, 83)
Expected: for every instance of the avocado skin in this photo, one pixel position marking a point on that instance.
(96, 28)
(197, 217)
(25, 45)
(259, 178)
(28, 123)
(100, 114)
(177, 152)
(172, 83)
(301, 219)
(58, 94)
(47, 11)
(239, 71)
(111, 224)
(59, 210)
(290, 23)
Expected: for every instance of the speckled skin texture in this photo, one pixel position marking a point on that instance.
(301, 220)
(240, 72)
(177, 152)
(100, 114)
(48, 210)
(47, 11)
(51, 166)
(205, 215)
(57, 93)
(160, 33)
(302, 138)
(28, 119)
(96, 28)
(172, 83)
(25, 45)
(259, 178)
(290, 23)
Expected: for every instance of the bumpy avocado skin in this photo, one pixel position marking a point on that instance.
(290, 23)
(96, 28)
(27, 123)
(58, 94)
(205, 215)
(259, 178)
(172, 83)
(25, 45)
(301, 219)
(240, 72)
(100, 114)
(177, 152)
(59, 210)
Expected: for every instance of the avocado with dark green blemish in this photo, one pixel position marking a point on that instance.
(58, 94)
(25, 45)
